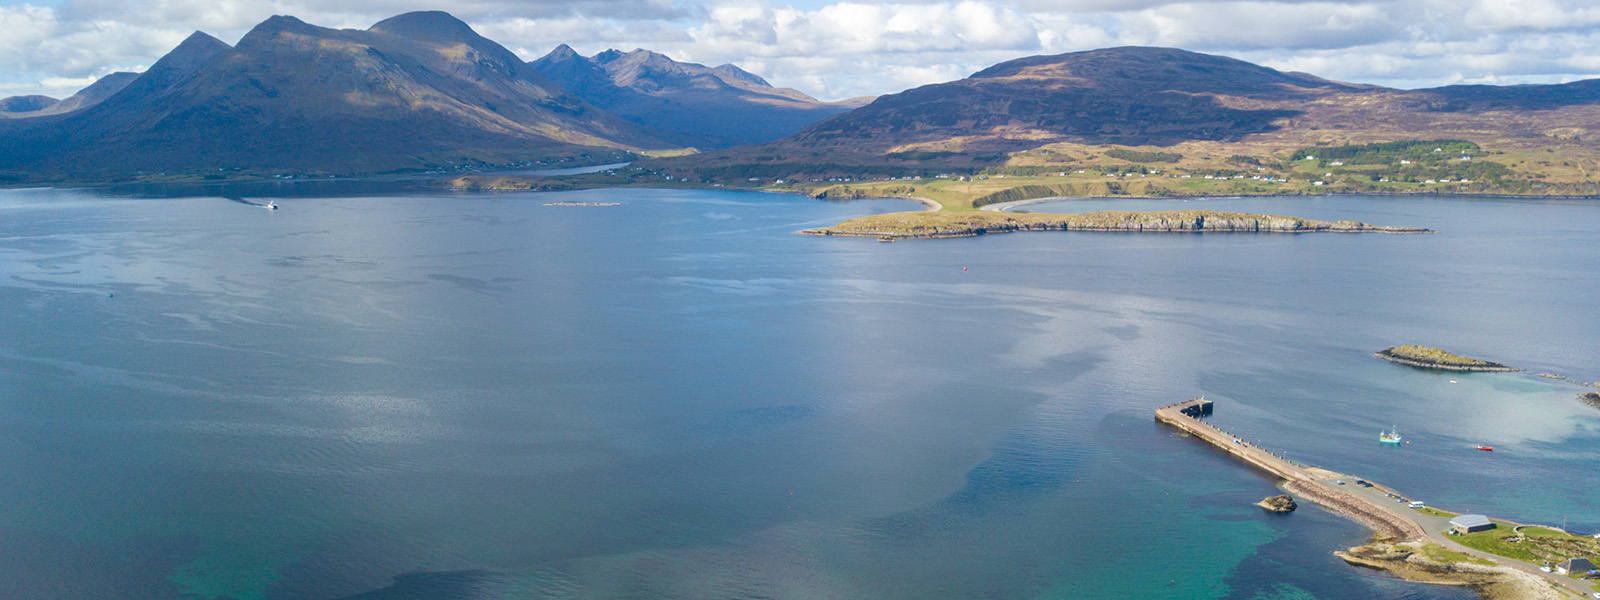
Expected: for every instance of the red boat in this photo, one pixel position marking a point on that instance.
(1486, 448)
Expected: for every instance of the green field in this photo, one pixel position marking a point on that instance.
(1440, 554)
(1435, 355)
(1536, 545)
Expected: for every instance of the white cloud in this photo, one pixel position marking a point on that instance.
(1500, 15)
(1261, 25)
(836, 49)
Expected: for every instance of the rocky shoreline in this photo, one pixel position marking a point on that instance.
(1408, 561)
(929, 225)
(1408, 356)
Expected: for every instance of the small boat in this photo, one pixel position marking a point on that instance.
(1486, 448)
(1391, 437)
(272, 205)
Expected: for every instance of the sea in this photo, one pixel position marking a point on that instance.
(383, 392)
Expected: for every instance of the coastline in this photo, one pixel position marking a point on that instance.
(1006, 206)
(1409, 561)
(941, 224)
(1487, 367)
(1398, 534)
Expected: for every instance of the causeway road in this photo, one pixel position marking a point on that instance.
(1378, 507)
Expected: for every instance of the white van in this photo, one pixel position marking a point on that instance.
(1416, 504)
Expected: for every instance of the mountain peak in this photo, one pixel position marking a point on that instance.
(426, 25)
(563, 52)
(201, 42)
(278, 24)
(196, 51)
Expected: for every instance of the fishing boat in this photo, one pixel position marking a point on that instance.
(272, 205)
(1486, 448)
(1390, 437)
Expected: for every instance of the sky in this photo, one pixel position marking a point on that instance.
(842, 49)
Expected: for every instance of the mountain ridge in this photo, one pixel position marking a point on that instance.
(706, 106)
(416, 91)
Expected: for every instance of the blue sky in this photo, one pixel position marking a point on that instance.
(840, 49)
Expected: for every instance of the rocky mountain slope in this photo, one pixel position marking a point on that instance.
(708, 107)
(417, 91)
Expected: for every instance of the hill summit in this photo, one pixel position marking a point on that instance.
(1039, 112)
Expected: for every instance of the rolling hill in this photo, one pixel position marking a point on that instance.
(18, 107)
(708, 107)
(417, 91)
(1051, 112)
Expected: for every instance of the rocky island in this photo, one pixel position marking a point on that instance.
(1281, 503)
(1590, 398)
(941, 224)
(1423, 357)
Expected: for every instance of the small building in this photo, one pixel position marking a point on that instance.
(1470, 523)
(1575, 566)
(1198, 408)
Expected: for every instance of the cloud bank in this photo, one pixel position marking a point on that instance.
(852, 48)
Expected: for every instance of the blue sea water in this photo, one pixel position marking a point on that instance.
(390, 395)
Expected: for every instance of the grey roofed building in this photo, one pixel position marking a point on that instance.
(1574, 565)
(1470, 523)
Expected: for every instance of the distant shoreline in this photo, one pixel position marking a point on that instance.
(1006, 206)
(946, 224)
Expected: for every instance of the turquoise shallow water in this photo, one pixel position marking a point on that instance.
(384, 395)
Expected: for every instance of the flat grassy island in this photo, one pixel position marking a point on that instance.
(943, 224)
(1423, 357)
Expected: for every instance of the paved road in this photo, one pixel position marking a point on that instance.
(1435, 528)
(1370, 504)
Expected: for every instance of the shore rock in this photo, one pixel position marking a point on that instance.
(1279, 504)
(1590, 398)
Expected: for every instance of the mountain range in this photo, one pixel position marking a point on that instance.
(708, 107)
(423, 91)
(417, 91)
